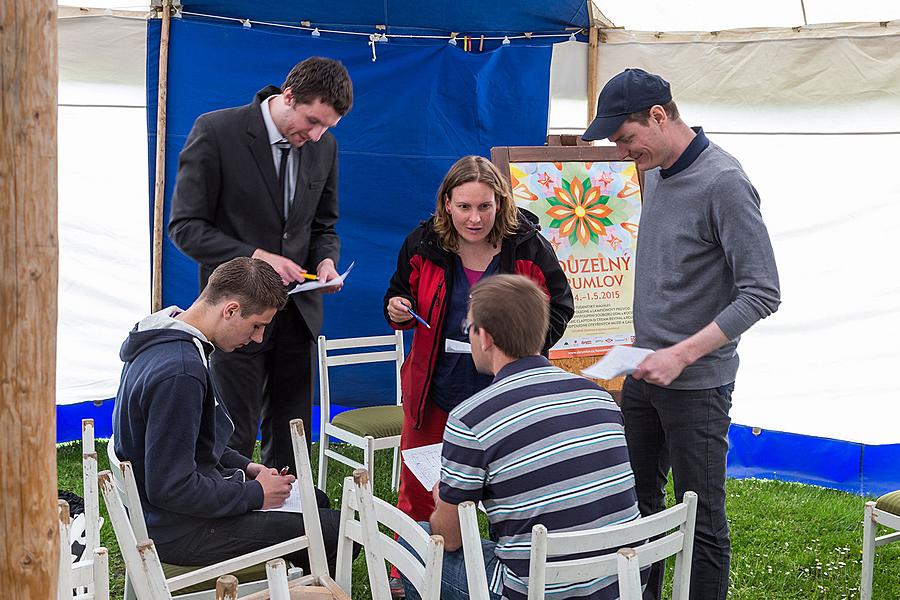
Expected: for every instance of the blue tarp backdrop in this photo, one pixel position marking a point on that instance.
(417, 109)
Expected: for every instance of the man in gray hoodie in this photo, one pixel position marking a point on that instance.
(200, 497)
(704, 273)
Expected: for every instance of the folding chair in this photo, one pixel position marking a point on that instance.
(87, 578)
(372, 428)
(625, 564)
(380, 547)
(120, 488)
(886, 512)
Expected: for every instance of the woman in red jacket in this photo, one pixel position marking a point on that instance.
(476, 231)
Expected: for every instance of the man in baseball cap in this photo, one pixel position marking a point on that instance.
(704, 273)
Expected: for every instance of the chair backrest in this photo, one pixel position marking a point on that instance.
(679, 543)
(88, 579)
(126, 486)
(327, 359)
(474, 557)
(380, 547)
(318, 563)
(91, 493)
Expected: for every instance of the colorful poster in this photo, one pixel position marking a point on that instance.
(589, 212)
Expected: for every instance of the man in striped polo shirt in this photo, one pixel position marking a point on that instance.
(539, 445)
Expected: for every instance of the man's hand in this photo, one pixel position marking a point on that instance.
(661, 368)
(326, 272)
(396, 309)
(254, 469)
(276, 488)
(288, 269)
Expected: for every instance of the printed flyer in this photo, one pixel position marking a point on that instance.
(589, 212)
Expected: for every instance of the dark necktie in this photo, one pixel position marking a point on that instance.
(283, 182)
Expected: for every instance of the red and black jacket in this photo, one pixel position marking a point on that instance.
(424, 276)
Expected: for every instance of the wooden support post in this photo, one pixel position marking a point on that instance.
(29, 516)
(593, 91)
(160, 181)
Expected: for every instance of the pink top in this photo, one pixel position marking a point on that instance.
(473, 276)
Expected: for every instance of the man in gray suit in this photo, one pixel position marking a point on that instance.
(261, 180)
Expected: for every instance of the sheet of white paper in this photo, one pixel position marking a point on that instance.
(308, 286)
(425, 463)
(292, 504)
(455, 347)
(621, 360)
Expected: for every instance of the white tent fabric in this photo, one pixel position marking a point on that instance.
(104, 243)
(814, 117)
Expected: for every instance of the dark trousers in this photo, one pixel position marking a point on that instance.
(271, 382)
(229, 537)
(687, 431)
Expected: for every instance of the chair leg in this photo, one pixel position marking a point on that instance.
(395, 471)
(323, 459)
(868, 559)
(369, 457)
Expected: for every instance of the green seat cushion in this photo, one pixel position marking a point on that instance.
(889, 503)
(377, 421)
(254, 573)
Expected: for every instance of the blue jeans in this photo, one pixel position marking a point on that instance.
(454, 584)
(687, 431)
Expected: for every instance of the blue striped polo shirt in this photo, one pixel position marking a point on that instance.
(539, 445)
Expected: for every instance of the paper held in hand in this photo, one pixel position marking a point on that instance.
(308, 286)
(425, 463)
(621, 360)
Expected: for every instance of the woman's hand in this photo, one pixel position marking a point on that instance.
(397, 309)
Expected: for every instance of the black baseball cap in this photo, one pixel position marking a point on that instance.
(631, 91)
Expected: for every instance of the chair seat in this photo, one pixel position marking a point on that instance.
(377, 421)
(245, 575)
(889, 503)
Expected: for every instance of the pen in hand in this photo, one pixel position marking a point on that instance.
(310, 276)
(284, 471)
(417, 317)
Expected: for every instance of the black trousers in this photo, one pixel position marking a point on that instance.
(230, 537)
(265, 385)
(687, 431)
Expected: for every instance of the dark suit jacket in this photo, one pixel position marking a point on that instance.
(227, 202)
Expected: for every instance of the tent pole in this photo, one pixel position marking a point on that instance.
(29, 259)
(593, 37)
(160, 183)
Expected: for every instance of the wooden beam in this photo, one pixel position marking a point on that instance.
(160, 181)
(592, 64)
(29, 517)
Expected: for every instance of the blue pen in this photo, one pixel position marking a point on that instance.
(417, 317)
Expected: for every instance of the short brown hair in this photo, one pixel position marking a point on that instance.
(643, 116)
(514, 310)
(253, 283)
(322, 79)
(480, 169)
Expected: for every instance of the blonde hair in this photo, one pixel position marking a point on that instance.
(481, 170)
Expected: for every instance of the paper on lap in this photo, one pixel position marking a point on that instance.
(292, 504)
(621, 360)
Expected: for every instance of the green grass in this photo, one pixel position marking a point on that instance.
(789, 541)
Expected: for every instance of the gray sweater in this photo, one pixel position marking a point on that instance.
(703, 255)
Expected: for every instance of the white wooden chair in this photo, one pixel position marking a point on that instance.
(885, 512)
(89, 577)
(627, 563)
(379, 547)
(119, 489)
(371, 428)
(471, 545)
